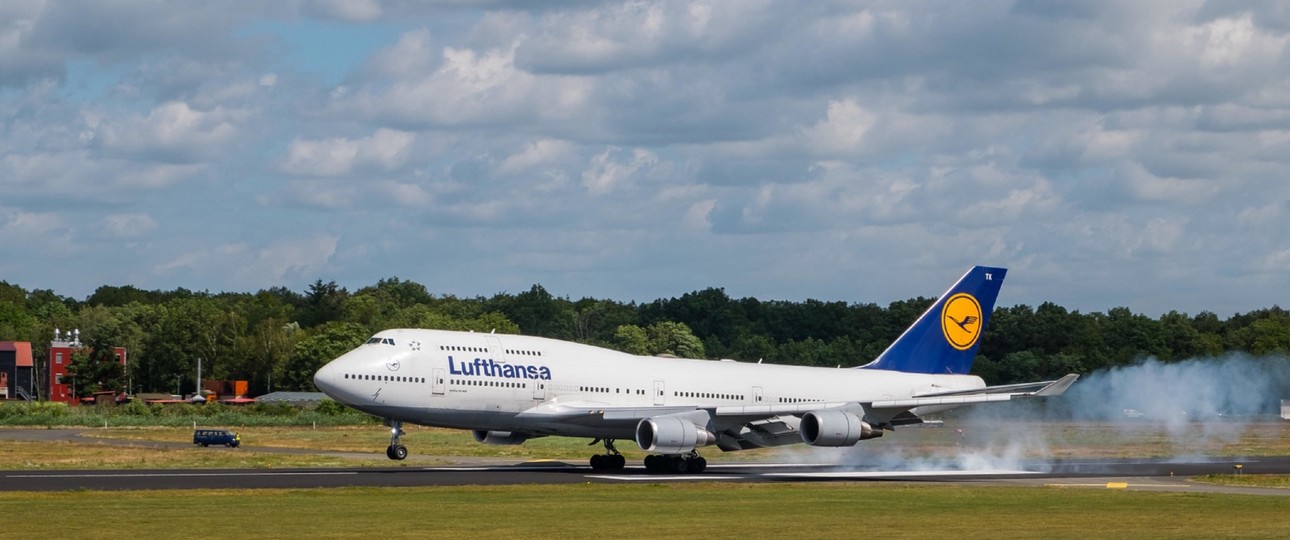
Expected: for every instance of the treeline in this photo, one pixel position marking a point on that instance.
(276, 338)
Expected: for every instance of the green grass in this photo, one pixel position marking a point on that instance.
(653, 511)
(27, 455)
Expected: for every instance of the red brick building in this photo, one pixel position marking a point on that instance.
(62, 386)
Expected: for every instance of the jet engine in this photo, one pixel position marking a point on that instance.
(832, 427)
(500, 437)
(671, 435)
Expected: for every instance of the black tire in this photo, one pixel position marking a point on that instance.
(400, 453)
(698, 465)
(680, 465)
(619, 462)
(651, 463)
(597, 462)
(204, 445)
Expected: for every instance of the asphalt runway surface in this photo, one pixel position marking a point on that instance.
(1131, 474)
(1113, 474)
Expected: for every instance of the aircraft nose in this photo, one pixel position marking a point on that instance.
(325, 379)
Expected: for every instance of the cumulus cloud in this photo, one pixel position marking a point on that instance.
(777, 148)
(384, 150)
(246, 265)
(171, 132)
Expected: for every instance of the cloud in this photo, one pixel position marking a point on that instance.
(776, 148)
(245, 265)
(172, 132)
(384, 150)
(128, 225)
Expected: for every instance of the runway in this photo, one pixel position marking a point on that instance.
(1112, 474)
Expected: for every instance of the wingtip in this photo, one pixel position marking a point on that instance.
(1059, 386)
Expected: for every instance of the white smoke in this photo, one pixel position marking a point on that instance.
(1170, 410)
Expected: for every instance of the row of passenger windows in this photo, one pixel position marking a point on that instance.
(523, 353)
(460, 348)
(386, 378)
(497, 384)
(797, 400)
(602, 390)
(708, 395)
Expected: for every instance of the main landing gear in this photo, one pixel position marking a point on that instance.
(681, 464)
(610, 460)
(396, 451)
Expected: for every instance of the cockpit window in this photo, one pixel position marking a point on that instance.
(380, 340)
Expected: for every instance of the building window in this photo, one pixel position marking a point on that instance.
(58, 378)
(58, 358)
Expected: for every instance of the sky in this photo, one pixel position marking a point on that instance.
(1108, 154)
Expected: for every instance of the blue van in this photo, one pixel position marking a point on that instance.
(207, 437)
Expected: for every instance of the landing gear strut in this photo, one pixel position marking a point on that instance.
(611, 460)
(396, 451)
(683, 463)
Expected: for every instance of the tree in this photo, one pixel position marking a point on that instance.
(324, 344)
(674, 338)
(632, 339)
(323, 302)
(538, 313)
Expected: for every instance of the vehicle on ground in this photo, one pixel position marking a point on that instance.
(220, 437)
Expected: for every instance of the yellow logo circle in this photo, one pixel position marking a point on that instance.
(961, 321)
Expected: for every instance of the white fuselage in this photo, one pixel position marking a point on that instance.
(494, 382)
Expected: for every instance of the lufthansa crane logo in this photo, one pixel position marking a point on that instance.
(961, 321)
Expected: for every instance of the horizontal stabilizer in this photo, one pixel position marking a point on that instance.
(981, 395)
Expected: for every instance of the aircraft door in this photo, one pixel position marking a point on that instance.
(539, 389)
(659, 389)
(757, 397)
(437, 382)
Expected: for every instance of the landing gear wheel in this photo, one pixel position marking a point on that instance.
(677, 464)
(698, 465)
(397, 452)
(611, 460)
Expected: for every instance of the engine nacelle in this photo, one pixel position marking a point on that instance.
(671, 435)
(499, 437)
(832, 427)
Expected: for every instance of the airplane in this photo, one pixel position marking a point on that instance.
(507, 389)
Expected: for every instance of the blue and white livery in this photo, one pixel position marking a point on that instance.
(508, 388)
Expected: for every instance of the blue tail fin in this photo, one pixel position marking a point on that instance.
(944, 340)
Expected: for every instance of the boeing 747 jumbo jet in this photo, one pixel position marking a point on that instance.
(508, 388)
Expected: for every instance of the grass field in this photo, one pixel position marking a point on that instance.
(653, 511)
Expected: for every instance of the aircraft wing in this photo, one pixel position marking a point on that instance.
(981, 395)
(574, 410)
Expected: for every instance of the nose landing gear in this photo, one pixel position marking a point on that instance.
(396, 450)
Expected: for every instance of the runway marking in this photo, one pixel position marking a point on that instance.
(645, 478)
(1123, 485)
(902, 474)
(501, 468)
(178, 475)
